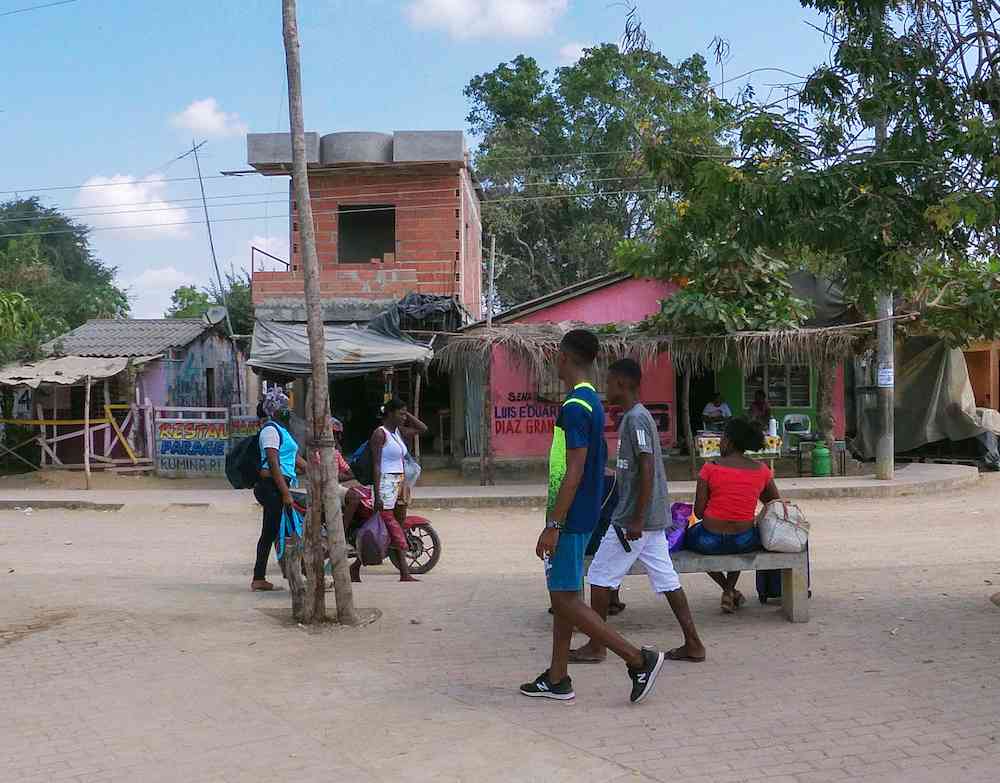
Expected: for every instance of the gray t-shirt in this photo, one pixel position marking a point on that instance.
(637, 435)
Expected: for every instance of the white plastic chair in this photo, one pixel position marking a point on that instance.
(796, 424)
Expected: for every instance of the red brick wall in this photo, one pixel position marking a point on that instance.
(428, 257)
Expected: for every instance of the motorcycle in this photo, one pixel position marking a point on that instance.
(423, 543)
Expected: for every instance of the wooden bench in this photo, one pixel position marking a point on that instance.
(793, 567)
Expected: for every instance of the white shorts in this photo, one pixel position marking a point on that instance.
(612, 562)
(389, 490)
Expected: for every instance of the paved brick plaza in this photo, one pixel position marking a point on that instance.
(136, 653)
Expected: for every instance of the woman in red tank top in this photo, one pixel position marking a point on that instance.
(726, 503)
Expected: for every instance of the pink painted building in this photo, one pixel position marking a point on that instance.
(525, 407)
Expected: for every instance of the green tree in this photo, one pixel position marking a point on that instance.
(21, 327)
(912, 210)
(46, 256)
(189, 301)
(562, 156)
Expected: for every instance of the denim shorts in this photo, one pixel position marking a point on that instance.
(700, 539)
(564, 567)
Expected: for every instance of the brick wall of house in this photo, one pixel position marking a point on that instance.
(430, 226)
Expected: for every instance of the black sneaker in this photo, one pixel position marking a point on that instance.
(542, 688)
(644, 678)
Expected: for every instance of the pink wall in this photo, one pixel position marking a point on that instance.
(522, 427)
(626, 302)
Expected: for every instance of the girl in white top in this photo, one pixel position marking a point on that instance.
(388, 454)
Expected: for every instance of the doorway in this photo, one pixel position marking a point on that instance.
(703, 388)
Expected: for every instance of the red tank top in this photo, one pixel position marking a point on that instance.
(733, 492)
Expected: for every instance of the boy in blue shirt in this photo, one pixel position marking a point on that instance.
(576, 476)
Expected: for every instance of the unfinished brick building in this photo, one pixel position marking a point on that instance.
(394, 214)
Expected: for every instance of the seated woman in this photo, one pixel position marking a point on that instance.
(726, 504)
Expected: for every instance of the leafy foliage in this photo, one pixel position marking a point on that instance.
(883, 178)
(50, 281)
(562, 158)
(50, 262)
(190, 302)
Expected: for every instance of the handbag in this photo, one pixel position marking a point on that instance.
(411, 470)
(372, 541)
(783, 527)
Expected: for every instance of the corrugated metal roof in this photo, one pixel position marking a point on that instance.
(129, 337)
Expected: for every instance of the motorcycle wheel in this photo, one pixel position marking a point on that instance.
(425, 549)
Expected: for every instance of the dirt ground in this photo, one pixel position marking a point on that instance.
(131, 649)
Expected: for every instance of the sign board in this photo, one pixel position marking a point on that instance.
(886, 379)
(191, 447)
(242, 427)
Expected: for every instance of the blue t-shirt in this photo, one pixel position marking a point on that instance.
(580, 424)
(274, 436)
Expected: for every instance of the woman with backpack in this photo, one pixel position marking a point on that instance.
(389, 486)
(279, 464)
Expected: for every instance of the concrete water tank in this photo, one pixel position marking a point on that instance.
(356, 147)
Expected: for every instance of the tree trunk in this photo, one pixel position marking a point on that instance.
(323, 478)
(826, 374)
(688, 434)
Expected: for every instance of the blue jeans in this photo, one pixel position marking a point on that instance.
(701, 539)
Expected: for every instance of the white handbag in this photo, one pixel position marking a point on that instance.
(783, 527)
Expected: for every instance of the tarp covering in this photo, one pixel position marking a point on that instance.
(933, 400)
(350, 350)
(65, 370)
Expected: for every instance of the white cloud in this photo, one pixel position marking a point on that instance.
(487, 18)
(149, 293)
(205, 118)
(124, 202)
(571, 52)
(275, 245)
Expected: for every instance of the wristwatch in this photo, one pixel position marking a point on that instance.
(554, 523)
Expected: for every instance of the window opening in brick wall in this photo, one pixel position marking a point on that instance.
(365, 232)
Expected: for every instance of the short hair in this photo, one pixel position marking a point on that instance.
(627, 369)
(260, 410)
(581, 345)
(744, 435)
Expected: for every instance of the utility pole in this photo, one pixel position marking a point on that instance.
(885, 449)
(490, 291)
(487, 476)
(218, 274)
(322, 477)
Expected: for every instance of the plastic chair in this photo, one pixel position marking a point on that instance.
(794, 424)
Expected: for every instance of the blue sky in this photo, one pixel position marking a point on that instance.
(107, 93)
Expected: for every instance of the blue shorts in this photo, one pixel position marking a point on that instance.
(564, 567)
(702, 540)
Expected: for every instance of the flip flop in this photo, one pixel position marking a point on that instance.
(575, 656)
(677, 655)
(614, 609)
(728, 603)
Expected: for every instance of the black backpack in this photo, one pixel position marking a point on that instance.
(360, 463)
(243, 462)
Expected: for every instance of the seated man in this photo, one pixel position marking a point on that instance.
(716, 413)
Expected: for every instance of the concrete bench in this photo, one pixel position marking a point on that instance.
(793, 567)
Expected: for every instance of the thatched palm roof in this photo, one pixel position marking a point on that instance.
(532, 346)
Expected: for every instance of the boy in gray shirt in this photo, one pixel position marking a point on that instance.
(639, 522)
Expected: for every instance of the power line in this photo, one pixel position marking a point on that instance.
(36, 7)
(339, 198)
(442, 205)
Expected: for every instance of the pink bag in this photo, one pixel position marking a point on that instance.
(679, 513)
(372, 541)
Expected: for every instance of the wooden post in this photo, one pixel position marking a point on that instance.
(291, 563)
(323, 478)
(86, 432)
(688, 434)
(44, 430)
(107, 430)
(487, 477)
(416, 412)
